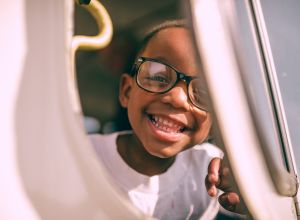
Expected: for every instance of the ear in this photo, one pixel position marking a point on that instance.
(126, 83)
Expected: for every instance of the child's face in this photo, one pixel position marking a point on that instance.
(158, 119)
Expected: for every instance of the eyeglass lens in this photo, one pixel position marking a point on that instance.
(158, 77)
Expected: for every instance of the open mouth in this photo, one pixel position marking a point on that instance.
(166, 125)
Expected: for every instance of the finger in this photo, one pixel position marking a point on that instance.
(230, 201)
(211, 188)
(212, 177)
(213, 171)
(225, 181)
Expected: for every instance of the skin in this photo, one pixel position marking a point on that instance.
(149, 150)
(219, 177)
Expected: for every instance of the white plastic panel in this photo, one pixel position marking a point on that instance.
(14, 202)
(216, 33)
(48, 168)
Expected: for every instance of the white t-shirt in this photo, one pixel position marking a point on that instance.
(178, 193)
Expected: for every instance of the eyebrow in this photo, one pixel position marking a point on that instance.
(163, 60)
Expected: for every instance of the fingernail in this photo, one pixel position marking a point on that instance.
(212, 192)
(233, 198)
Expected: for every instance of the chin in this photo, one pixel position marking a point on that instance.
(165, 154)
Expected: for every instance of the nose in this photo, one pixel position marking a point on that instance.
(177, 96)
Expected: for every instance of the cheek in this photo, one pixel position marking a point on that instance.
(201, 117)
(206, 126)
(137, 104)
(204, 123)
(139, 99)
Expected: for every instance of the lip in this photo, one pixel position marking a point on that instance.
(163, 135)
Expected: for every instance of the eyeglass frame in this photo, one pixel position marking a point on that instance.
(180, 76)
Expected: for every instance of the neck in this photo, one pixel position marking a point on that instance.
(134, 154)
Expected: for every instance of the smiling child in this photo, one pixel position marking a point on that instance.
(162, 163)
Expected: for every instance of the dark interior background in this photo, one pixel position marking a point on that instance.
(98, 72)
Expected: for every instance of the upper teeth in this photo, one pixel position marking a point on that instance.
(166, 125)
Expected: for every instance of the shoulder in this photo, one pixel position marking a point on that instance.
(207, 149)
(103, 139)
(195, 160)
(101, 142)
(105, 146)
(202, 154)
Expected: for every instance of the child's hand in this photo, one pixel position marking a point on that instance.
(219, 176)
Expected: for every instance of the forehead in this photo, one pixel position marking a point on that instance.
(175, 47)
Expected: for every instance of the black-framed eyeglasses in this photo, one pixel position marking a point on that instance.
(155, 76)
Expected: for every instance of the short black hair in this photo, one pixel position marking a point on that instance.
(151, 33)
(154, 30)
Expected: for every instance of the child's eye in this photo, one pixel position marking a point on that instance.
(158, 78)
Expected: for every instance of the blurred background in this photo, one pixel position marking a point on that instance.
(98, 72)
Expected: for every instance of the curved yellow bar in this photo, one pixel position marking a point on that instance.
(104, 25)
(89, 43)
